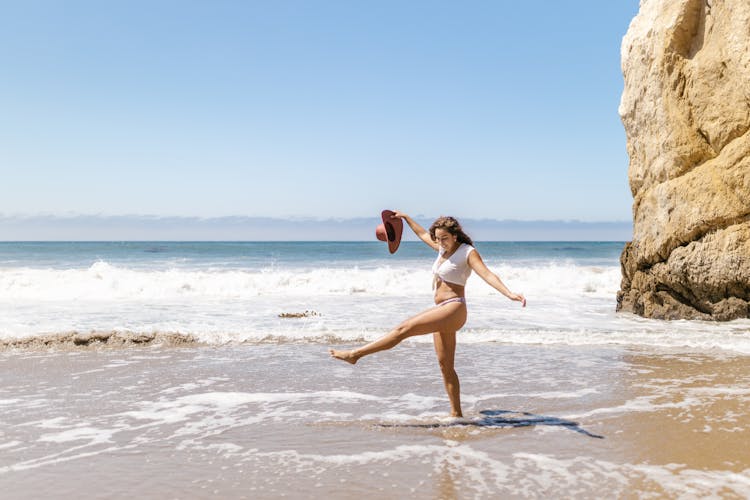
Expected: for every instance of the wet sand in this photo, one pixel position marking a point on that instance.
(265, 420)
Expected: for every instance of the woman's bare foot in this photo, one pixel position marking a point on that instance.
(347, 356)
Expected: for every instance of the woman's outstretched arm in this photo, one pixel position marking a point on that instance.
(421, 232)
(479, 267)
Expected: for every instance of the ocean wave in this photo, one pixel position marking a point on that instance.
(569, 304)
(104, 281)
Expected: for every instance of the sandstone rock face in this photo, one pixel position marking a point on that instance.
(686, 112)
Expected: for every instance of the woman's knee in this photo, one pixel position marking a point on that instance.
(446, 365)
(402, 331)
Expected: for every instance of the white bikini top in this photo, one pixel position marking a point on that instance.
(455, 269)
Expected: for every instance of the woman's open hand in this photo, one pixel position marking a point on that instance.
(520, 298)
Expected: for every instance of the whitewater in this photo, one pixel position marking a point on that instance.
(322, 292)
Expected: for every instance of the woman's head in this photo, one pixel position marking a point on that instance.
(448, 228)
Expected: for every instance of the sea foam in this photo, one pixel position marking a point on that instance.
(569, 303)
(104, 281)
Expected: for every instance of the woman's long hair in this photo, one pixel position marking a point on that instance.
(451, 225)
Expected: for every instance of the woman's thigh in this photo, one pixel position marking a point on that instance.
(447, 318)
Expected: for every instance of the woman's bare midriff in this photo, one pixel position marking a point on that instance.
(445, 291)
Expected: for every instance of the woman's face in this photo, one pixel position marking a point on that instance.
(445, 239)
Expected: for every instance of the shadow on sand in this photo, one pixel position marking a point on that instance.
(504, 418)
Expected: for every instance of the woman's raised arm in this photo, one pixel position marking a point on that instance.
(421, 232)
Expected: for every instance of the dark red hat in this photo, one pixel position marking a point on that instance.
(390, 230)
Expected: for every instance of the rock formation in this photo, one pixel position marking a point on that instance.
(686, 112)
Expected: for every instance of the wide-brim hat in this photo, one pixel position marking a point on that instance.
(390, 230)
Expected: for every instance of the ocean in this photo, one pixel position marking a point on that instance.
(236, 396)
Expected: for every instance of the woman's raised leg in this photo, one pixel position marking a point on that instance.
(449, 317)
(445, 348)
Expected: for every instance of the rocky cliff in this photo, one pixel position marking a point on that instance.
(686, 112)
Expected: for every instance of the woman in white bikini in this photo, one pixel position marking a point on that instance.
(455, 261)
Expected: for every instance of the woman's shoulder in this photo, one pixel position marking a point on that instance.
(466, 249)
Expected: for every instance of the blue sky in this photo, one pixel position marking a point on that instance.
(496, 109)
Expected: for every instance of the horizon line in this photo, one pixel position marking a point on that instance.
(293, 218)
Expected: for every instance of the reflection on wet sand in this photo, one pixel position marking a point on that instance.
(687, 409)
(447, 477)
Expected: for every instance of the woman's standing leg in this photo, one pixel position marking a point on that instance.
(445, 348)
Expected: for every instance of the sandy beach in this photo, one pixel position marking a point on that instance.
(272, 420)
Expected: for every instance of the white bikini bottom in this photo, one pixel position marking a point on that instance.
(454, 299)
